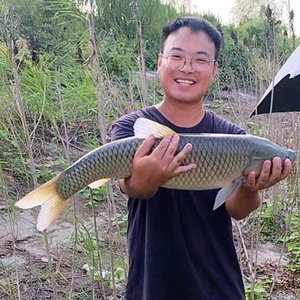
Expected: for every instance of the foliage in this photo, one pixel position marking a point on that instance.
(270, 216)
(245, 10)
(293, 241)
(93, 196)
(5, 68)
(12, 157)
(37, 22)
(234, 64)
(103, 271)
(120, 220)
(258, 292)
(115, 17)
(119, 57)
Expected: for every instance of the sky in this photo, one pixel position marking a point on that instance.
(222, 9)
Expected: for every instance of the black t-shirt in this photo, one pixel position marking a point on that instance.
(179, 247)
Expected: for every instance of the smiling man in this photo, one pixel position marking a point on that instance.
(179, 247)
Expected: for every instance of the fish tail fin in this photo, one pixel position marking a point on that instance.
(50, 210)
(50, 200)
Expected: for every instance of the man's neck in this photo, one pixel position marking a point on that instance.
(182, 114)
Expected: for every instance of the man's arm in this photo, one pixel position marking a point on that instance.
(246, 198)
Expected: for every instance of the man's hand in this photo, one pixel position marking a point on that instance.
(271, 173)
(150, 171)
(246, 199)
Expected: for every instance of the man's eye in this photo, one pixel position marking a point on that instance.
(201, 61)
(176, 57)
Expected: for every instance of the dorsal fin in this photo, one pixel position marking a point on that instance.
(144, 127)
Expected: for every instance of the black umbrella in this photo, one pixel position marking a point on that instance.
(283, 94)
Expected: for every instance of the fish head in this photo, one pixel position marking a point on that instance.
(291, 155)
(264, 149)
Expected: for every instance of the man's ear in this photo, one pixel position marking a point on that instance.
(159, 60)
(215, 70)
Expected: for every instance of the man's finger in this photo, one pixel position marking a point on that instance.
(276, 168)
(287, 168)
(251, 179)
(181, 156)
(145, 147)
(265, 172)
(184, 169)
(161, 148)
(173, 145)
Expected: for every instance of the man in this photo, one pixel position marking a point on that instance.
(179, 247)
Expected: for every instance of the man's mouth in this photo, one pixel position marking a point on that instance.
(185, 81)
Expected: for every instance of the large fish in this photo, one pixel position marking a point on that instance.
(223, 161)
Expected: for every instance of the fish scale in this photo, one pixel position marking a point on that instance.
(219, 159)
(113, 160)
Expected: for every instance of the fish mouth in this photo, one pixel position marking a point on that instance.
(291, 155)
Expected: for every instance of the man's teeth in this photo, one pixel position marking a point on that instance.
(185, 82)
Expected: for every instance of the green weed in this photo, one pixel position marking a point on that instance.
(93, 196)
(120, 220)
(269, 217)
(293, 242)
(258, 292)
(93, 248)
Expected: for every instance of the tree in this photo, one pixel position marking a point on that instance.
(46, 25)
(244, 10)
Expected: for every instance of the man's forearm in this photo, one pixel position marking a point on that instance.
(126, 188)
(242, 203)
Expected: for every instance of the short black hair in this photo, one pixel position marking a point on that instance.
(195, 24)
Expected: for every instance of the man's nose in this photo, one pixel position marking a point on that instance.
(187, 66)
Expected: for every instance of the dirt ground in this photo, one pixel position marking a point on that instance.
(24, 259)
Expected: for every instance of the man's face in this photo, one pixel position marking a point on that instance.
(186, 84)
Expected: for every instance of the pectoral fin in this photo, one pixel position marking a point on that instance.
(227, 191)
(98, 183)
(255, 164)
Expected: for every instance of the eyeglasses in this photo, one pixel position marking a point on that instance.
(177, 61)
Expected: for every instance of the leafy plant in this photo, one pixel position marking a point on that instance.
(258, 292)
(293, 242)
(121, 220)
(269, 217)
(12, 157)
(104, 271)
(93, 196)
